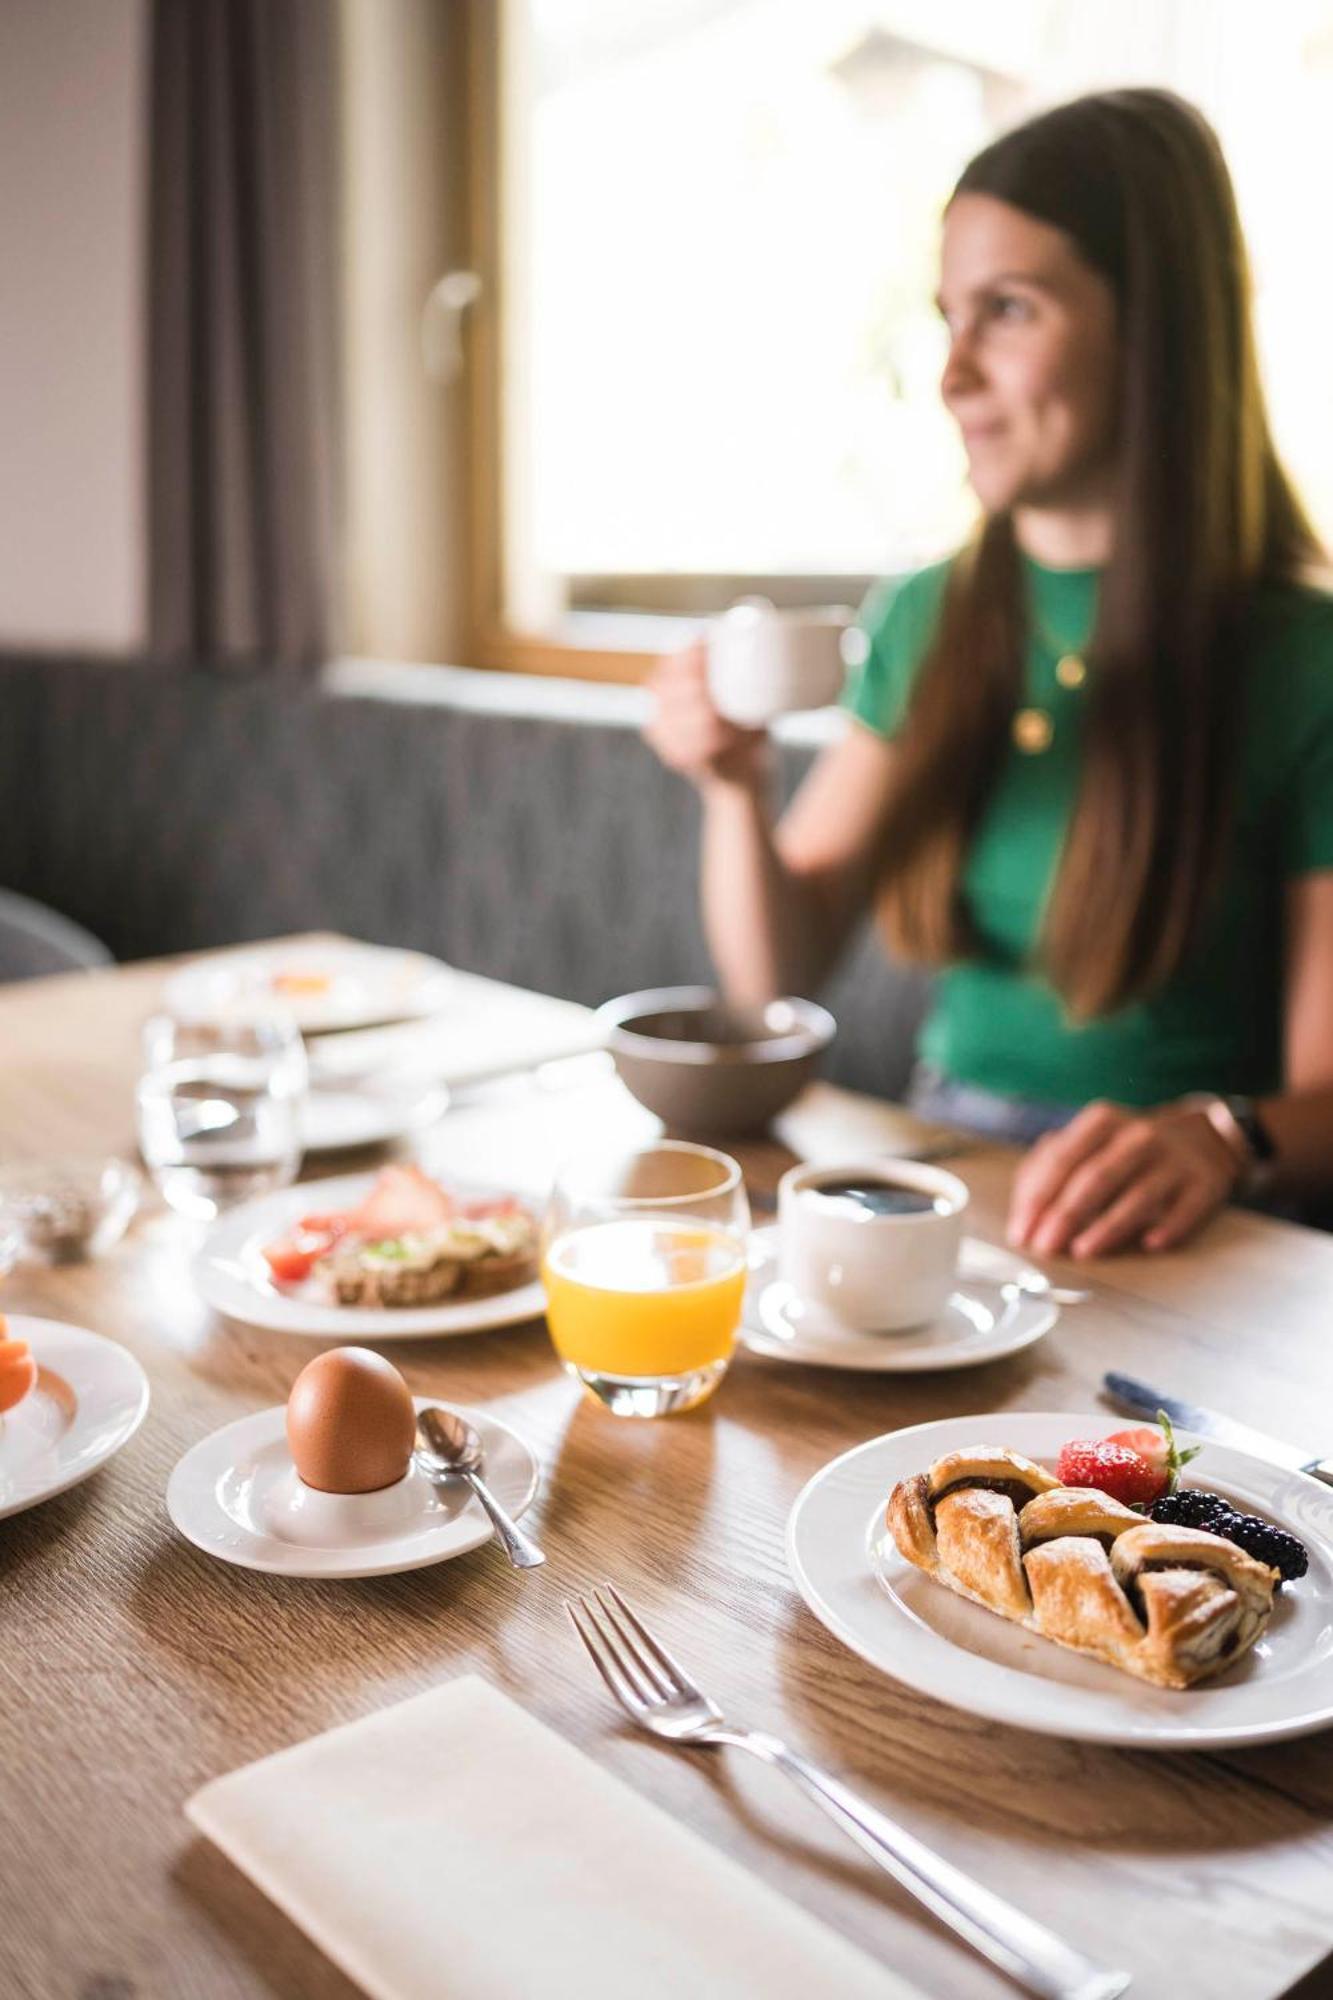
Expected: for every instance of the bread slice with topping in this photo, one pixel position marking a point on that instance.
(464, 1258)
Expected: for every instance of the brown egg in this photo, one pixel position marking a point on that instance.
(350, 1422)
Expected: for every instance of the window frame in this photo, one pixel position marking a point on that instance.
(614, 626)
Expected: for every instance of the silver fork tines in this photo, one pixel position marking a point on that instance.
(635, 1666)
(656, 1693)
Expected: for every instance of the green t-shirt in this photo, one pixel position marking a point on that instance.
(995, 1021)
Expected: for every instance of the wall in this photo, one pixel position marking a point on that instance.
(73, 372)
(404, 225)
(73, 80)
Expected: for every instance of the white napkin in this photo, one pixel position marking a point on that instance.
(482, 1030)
(452, 1846)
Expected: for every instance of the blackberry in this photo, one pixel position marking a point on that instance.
(1191, 1508)
(1267, 1544)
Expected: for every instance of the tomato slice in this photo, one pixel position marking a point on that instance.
(292, 1258)
(288, 1262)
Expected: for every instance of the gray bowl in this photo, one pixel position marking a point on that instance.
(707, 1067)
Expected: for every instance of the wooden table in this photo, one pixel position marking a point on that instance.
(132, 1667)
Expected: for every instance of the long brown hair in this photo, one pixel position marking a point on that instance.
(1203, 514)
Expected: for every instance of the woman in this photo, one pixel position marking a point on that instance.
(1091, 772)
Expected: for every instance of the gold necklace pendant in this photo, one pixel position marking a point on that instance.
(1032, 730)
(1070, 670)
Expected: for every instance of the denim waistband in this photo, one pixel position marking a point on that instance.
(1015, 1121)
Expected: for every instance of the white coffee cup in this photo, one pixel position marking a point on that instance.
(763, 662)
(871, 1271)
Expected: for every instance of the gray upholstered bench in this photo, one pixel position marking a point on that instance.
(515, 826)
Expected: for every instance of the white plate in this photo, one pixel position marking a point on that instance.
(231, 1276)
(230, 1496)
(334, 1120)
(979, 1323)
(368, 984)
(89, 1400)
(849, 1572)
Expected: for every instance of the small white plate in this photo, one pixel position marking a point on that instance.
(332, 1121)
(231, 1276)
(89, 1399)
(236, 1496)
(846, 1567)
(366, 984)
(980, 1323)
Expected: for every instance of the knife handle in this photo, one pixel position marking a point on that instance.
(1321, 1469)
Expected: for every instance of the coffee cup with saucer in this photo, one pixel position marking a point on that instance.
(868, 1269)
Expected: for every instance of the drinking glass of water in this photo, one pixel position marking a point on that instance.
(219, 1107)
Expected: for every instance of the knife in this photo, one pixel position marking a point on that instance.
(1146, 1402)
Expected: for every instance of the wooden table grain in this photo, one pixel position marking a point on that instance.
(133, 1668)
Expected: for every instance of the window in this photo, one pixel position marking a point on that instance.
(718, 229)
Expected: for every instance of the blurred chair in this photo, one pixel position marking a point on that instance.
(36, 941)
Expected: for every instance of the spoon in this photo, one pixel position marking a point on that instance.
(449, 1448)
(1035, 1286)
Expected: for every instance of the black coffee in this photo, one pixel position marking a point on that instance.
(881, 1197)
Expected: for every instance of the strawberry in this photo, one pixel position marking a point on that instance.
(1157, 1443)
(1146, 1440)
(1136, 1466)
(1113, 1469)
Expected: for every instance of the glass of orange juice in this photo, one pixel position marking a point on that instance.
(644, 1263)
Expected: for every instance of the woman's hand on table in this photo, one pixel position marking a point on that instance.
(690, 736)
(1115, 1179)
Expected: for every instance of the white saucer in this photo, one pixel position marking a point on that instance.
(236, 1496)
(981, 1322)
(334, 1120)
(89, 1399)
(230, 1275)
(846, 1567)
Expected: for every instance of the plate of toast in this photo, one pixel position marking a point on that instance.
(393, 1256)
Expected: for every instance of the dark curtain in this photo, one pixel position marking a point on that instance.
(243, 326)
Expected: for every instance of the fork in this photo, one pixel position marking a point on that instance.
(658, 1695)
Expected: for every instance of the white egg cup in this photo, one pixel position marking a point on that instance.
(303, 1514)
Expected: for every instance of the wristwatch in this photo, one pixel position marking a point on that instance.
(1237, 1121)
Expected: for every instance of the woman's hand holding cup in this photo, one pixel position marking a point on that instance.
(690, 735)
(716, 699)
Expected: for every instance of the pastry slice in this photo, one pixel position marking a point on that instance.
(997, 1471)
(911, 1512)
(979, 1553)
(1077, 1601)
(1201, 1598)
(1075, 1510)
